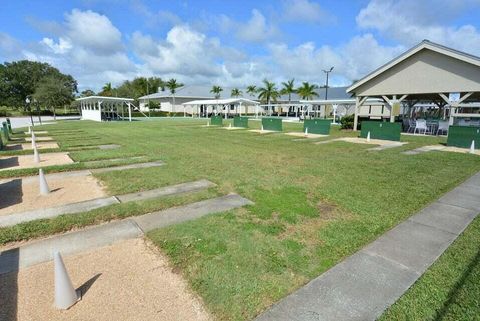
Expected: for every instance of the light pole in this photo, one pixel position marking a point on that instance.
(326, 83)
(27, 101)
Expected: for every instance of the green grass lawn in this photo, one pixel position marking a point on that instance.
(449, 290)
(314, 204)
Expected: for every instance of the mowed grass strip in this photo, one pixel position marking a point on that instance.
(314, 204)
(449, 290)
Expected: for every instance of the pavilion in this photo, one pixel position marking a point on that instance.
(230, 106)
(99, 108)
(427, 73)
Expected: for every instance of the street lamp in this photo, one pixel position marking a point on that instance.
(27, 102)
(326, 84)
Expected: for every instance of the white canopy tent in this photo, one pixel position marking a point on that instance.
(226, 104)
(100, 108)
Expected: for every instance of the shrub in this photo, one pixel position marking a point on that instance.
(347, 122)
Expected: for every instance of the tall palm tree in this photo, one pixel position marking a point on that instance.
(236, 92)
(252, 90)
(307, 91)
(288, 88)
(173, 85)
(216, 90)
(107, 89)
(268, 92)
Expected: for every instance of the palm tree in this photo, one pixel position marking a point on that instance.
(236, 92)
(268, 92)
(173, 85)
(288, 89)
(216, 90)
(252, 90)
(107, 89)
(307, 91)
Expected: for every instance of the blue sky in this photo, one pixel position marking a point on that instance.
(226, 42)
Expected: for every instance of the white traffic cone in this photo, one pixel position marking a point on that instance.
(472, 147)
(368, 137)
(33, 140)
(306, 132)
(36, 156)
(65, 294)
(44, 189)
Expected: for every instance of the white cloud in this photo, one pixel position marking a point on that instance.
(352, 60)
(93, 31)
(306, 11)
(63, 45)
(409, 22)
(256, 29)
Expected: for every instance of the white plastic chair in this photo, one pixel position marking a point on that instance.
(421, 124)
(442, 126)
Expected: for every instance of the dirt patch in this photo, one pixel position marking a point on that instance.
(460, 150)
(299, 134)
(20, 195)
(39, 139)
(41, 145)
(26, 161)
(380, 142)
(125, 281)
(326, 210)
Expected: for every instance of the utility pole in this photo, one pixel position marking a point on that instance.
(326, 83)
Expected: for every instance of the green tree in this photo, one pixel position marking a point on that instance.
(236, 92)
(173, 85)
(107, 90)
(87, 93)
(268, 92)
(216, 90)
(54, 92)
(19, 80)
(252, 90)
(307, 91)
(288, 88)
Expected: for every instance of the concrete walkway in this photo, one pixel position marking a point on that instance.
(80, 207)
(109, 233)
(368, 282)
(18, 122)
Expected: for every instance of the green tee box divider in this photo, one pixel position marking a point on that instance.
(462, 136)
(274, 124)
(317, 126)
(381, 130)
(5, 131)
(240, 122)
(216, 121)
(9, 124)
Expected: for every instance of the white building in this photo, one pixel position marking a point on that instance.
(100, 108)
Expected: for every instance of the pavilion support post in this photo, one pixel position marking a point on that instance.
(358, 103)
(335, 106)
(129, 112)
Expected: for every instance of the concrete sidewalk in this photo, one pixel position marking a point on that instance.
(88, 205)
(368, 282)
(97, 236)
